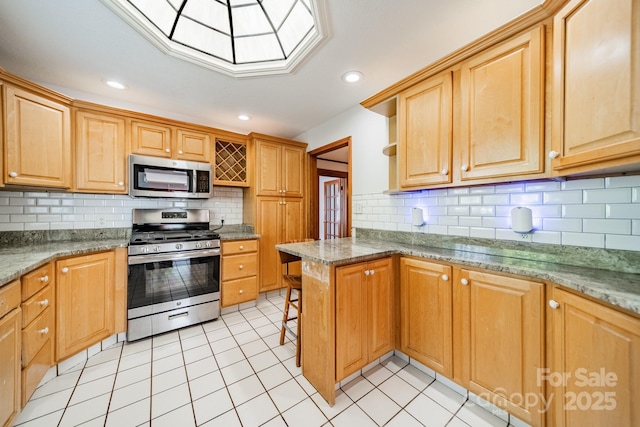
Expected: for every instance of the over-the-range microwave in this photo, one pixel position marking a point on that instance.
(159, 177)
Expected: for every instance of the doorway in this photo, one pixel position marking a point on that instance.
(330, 190)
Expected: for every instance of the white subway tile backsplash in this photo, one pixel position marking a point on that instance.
(548, 237)
(583, 211)
(613, 195)
(635, 195)
(606, 226)
(496, 222)
(635, 226)
(483, 189)
(470, 221)
(628, 243)
(471, 200)
(502, 234)
(12, 226)
(448, 220)
(438, 229)
(562, 197)
(495, 199)
(448, 201)
(629, 211)
(482, 210)
(458, 231)
(458, 210)
(622, 181)
(37, 226)
(483, 233)
(562, 224)
(526, 199)
(510, 188)
(583, 184)
(583, 239)
(542, 186)
(546, 211)
(458, 191)
(22, 202)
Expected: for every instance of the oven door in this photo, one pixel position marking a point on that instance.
(162, 282)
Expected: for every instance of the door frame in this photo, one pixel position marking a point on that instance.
(314, 183)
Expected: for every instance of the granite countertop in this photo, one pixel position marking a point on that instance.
(237, 235)
(619, 289)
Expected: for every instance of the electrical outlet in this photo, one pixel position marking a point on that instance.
(101, 221)
(357, 208)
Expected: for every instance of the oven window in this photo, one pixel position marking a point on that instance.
(164, 281)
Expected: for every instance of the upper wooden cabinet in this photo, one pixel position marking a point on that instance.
(165, 140)
(101, 152)
(232, 165)
(37, 139)
(424, 124)
(500, 131)
(279, 168)
(596, 108)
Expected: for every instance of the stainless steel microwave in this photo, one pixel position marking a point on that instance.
(159, 177)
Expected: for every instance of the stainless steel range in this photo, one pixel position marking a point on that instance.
(174, 271)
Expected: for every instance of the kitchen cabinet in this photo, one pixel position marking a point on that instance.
(596, 97)
(85, 295)
(501, 337)
(279, 168)
(239, 272)
(232, 164)
(594, 374)
(170, 141)
(424, 125)
(501, 128)
(101, 152)
(426, 313)
(10, 343)
(364, 314)
(37, 138)
(38, 327)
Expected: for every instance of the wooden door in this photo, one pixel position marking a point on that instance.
(504, 345)
(268, 169)
(333, 209)
(351, 319)
(10, 337)
(596, 109)
(268, 226)
(424, 123)
(85, 298)
(426, 313)
(502, 100)
(101, 153)
(37, 142)
(150, 139)
(192, 145)
(594, 377)
(380, 308)
(292, 180)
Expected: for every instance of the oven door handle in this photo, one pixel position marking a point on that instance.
(173, 256)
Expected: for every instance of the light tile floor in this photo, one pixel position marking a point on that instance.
(233, 372)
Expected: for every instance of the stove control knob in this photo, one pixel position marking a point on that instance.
(198, 245)
(208, 244)
(156, 248)
(179, 245)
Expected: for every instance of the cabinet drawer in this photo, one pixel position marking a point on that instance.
(238, 291)
(33, 373)
(9, 297)
(237, 266)
(36, 305)
(36, 280)
(36, 334)
(239, 247)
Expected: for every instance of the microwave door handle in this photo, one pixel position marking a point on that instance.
(173, 256)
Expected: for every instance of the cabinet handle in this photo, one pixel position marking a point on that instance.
(180, 152)
(366, 272)
(372, 272)
(241, 266)
(284, 203)
(167, 150)
(464, 168)
(444, 172)
(44, 279)
(554, 304)
(241, 247)
(121, 183)
(44, 302)
(13, 174)
(553, 154)
(241, 291)
(65, 269)
(43, 331)
(445, 277)
(464, 282)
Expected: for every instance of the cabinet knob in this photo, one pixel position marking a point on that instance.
(121, 183)
(553, 154)
(241, 291)
(372, 272)
(13, 174)
(241, 266)
(65, 269)
(554, 304)
(241, 247)
(464, 282)
(366, 272)
(444, 171)
(44, 279)
(464, 168)
(44, 330)
(167, 150)
(44, 302)
(445, 277)
(180, 152)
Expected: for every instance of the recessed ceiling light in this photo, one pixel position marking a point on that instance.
(244, 117)
(352, 76)
(116, 85)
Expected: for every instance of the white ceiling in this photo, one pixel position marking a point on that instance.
(73, 46)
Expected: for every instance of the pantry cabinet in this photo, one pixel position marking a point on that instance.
(85, 295)
(10, 344)
(101, 152)
(166, 140)
(239, 272)
(426, 313)
(364, 314)
(596, 96)
(594, 375)
(279, 168)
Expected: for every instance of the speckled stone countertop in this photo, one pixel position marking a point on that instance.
(618, 289)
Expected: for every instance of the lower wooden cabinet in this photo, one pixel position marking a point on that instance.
(239, 272)
(425, 313)
(364, 314)
(85, 297)
(594, 373)
(10, 337)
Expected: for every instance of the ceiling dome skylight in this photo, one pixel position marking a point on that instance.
(240, 38)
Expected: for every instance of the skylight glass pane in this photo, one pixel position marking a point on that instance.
(210, 13)
(295, 28)
(157, 11)
(277, 10)
(242, 2)
(203, 39)
(249, 20)
(257, 48)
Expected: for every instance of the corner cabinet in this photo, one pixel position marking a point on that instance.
(596, 109)
(594, 377)
(85, 299)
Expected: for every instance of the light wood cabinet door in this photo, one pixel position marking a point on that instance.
(426, 313)
(85, 302)
(10, 376)
(37, 145)
(150, 139)
(594, 377)
(268, 168)
(101, 153)
(192, 145)
(292, 181)
(501, 125)
(380, 308)
(596, 109)
(424, 121)
(503, 344)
